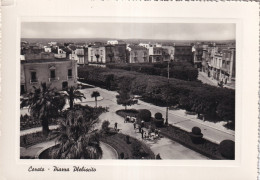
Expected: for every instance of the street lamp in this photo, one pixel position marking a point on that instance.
(167, 93)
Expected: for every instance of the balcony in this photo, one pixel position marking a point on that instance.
(33, 81)
(54, 79)
(70, 77)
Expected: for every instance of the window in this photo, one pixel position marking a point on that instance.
(91, 52)
(101, 52)
(33, 76)
(53, 74)
(69, 72)
(91, 58)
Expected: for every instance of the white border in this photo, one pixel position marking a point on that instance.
(244, 14)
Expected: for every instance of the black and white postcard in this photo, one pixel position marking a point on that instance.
(133, 90)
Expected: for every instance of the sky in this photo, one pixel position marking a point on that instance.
(164, 31)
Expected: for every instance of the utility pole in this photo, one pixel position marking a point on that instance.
(167, 96)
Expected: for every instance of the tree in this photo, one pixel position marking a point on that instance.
(72, 94)
(95, 94)
(111, 55)
(44, 103)
(124, 96)
(97, 56)
(77, 137)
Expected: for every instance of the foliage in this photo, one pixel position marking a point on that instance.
(77, 137)
(227, 149)
(158, 115)
(196, 130)
(73, 94)
(206, 148)
(158, 122)
(105, 126)
(95, 94)
(196, 135)
(144, 114)
(191, 96)
(124, 97)
(44, 103)
(179, 70)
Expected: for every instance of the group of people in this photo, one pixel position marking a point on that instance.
(146, 134)
(130, 119)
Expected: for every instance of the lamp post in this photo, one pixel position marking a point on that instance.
(167, 96)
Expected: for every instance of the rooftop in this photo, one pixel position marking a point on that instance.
(44, 60)
(137, 47)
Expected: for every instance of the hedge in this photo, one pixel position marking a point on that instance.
(189, 95)
(179, 70)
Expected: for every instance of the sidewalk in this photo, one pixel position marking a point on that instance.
(209, 80)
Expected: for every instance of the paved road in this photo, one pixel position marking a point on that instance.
(108, 151)
(212, 133)
(208, 80)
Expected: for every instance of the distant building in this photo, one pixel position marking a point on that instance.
(197, 55)
(115, 53)
(114, 42)
(42, 55)
(58, 73)
(170, 50)
(138, 54)
(183, 53)
(155, 54)
(146, 45)
(96, 54)
(78, 55)
(60, 53)
(228, 70)
(215, 65)
(47, 49)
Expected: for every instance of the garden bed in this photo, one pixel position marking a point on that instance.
(129, 112)
(35, 138)
(134, 149)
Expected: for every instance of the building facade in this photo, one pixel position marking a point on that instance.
(78, 55)
(215, 65)
(115, 53)
(155, 54)
(183, 53)
(170, 50)
(58, 73)
(97, 54)
(138, 54)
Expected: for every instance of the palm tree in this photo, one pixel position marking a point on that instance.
(77, 137)
(44, 103)
(72, 94)
(95, 94)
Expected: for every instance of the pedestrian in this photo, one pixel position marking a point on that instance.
(125, 119)
(134, 125)
(140, 129)
(156, 131)
(142, 132)
(142, 124)
(115, 125)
